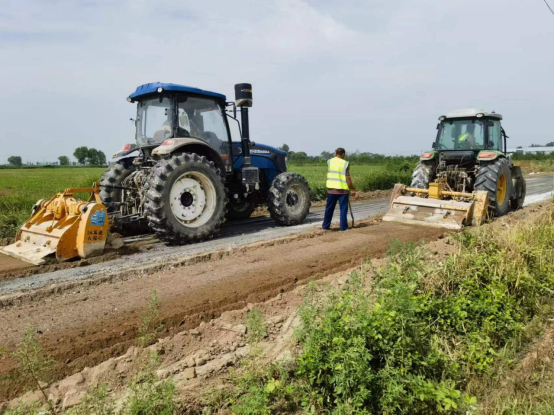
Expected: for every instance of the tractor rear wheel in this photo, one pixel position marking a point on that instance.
(521, 190)
(114, 176)
(495, 178)
(423, 175)
(186, 199)
(240, 210)
(289, 199)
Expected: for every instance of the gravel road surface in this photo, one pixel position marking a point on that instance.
(233, 234)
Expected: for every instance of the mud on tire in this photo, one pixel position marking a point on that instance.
(289, 199)
(162, 215)
(423, 175)
(489, 178)
(114, 176)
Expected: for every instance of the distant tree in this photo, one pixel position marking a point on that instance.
(64, 160)
(536, 145)
(326, 155)
(92, 156)
(81, 154)
(96, 157)
(549, 144)
(285, 148)
(298, 157)
(101, 158)
(15, 160)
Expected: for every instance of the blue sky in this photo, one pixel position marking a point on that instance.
(371, 75)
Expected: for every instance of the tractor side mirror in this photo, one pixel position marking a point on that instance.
(433, 145)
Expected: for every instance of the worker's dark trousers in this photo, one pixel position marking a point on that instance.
(330, 209)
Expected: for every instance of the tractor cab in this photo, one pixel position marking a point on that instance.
(474, 130)
(166, 111)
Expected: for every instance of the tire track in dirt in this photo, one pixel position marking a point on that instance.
(93, 323)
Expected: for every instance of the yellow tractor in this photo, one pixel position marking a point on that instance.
(467, 177)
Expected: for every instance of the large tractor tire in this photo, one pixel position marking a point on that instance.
(423, 175)
(114, 176)
(289, 199)
(495, 178)
(241, 210)
(186, 199)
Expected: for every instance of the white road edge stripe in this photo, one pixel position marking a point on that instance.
(537, 198)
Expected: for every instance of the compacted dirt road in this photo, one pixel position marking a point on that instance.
(86, 324)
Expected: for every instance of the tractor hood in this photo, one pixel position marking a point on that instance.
(153, 87)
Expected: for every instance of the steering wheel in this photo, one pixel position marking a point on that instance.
(442, 145)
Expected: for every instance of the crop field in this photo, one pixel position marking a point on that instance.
(364, 177)
(20, 189)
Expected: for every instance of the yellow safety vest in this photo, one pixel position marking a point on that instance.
(463, 137)
(336, 174)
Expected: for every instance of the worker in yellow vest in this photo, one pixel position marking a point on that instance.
(339, 189)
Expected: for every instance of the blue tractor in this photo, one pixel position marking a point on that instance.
(184, 175)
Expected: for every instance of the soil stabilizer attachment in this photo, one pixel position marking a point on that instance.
(63, 225)
(437, 206)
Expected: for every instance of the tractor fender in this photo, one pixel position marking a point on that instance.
(489, 155)
(192, 145)
(430, 155)
(125, 150)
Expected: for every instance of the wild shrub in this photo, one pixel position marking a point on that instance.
(34, 365)
(96, 402)
(410, 341)
(151, 321)
(150, 395)
(255, 323)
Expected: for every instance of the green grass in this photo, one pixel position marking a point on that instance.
(364, 177)
(20, 189)
(423, 336)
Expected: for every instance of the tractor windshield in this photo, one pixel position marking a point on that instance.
(154, 123)
(463, 134)
(202, 118)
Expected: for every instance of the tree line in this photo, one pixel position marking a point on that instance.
(363, 158)
(83, 154)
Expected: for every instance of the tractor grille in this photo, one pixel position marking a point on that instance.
(250, 176)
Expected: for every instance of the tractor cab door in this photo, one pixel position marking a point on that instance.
(202, 118)
(495, 141)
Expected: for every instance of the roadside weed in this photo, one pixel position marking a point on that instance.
(151, 322)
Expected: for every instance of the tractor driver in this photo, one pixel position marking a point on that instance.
(467, 139)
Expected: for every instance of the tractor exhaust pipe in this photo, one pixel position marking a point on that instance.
(243, 99)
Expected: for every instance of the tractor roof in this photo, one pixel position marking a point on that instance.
(152, 88)
(471, 112)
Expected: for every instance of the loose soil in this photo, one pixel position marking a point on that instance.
(93, 323)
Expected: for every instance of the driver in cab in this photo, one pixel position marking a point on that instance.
(467, 139)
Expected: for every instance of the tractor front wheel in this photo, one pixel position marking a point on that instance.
(495, 178)
(423, 174)
(186, 199)
(289, 199)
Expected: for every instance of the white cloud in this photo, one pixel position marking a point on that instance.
(368, 74)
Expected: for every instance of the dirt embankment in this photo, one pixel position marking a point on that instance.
(90, 324)
(96, 325)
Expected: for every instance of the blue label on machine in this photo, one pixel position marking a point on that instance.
(98, 218)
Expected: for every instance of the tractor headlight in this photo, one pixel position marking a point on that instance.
(129, 99)
(160, 89)
(479, 115)
(442, 118)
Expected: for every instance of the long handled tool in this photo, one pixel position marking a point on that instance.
(350, 209)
